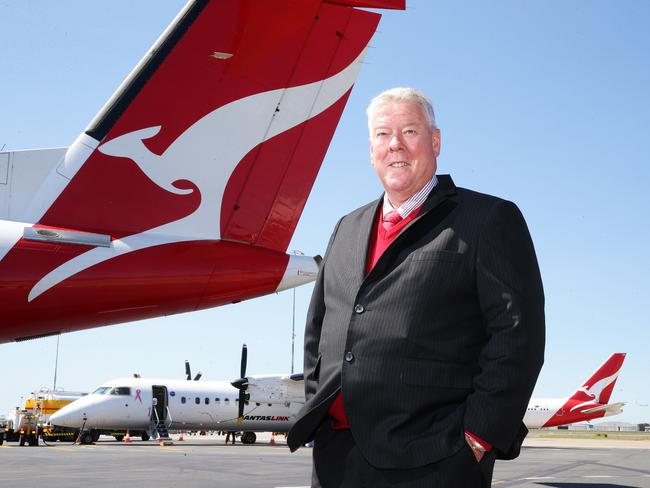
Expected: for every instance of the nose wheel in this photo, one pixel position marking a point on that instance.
(248, 438)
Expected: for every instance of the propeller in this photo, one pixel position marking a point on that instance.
(188, 372)
(242, 385)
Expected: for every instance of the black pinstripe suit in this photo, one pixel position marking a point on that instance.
(445, 333)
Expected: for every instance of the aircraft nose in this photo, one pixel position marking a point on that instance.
(68, 417)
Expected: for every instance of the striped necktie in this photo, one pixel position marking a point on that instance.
(391, 219)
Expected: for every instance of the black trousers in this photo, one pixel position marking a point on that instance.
(338, 463)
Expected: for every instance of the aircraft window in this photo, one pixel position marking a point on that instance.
(258, 404)
(121, 390)
(216, 399)
(207, 401)
(197, 400)
(183, 400)
(101, 390)
(226, 399)
(236, 399)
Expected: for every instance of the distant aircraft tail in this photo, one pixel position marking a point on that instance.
(598, 388)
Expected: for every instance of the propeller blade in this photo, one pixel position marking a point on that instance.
(243, 401)
(242, 384)
(244, 358)
(198, 376)
(188, 372)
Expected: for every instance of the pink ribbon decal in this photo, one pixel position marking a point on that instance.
(137, 395)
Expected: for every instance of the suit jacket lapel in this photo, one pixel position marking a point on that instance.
(440, 194)
(360, 250)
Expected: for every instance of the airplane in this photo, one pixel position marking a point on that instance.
(184, 190)
(274, 400)
(152, 407)
(587, 403)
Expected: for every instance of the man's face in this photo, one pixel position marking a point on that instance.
(403, 149)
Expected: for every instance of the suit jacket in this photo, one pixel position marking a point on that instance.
(445, 334)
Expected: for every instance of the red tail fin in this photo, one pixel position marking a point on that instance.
(598, 388)
(221, 130)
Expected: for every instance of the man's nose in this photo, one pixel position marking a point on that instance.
(395, 143)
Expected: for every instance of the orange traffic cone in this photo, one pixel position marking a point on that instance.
(127, 437)
(180, 437)
(272, 439)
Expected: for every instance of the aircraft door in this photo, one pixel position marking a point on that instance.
(159, 407)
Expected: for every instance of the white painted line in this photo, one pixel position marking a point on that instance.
(598, 476)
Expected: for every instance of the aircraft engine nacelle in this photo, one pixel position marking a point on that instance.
(276, 389)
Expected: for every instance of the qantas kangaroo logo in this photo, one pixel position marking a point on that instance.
(594, 391)
(206, 155)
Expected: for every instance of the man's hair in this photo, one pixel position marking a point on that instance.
(401, 94)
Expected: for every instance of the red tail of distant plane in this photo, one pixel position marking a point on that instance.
(598, 388)
(588, 402)
(184, 191)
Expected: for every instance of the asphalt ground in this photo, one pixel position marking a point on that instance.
(205, 461)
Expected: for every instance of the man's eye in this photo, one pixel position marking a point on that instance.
(409, 131)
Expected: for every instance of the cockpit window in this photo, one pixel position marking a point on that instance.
(120, 390)
(101, 390)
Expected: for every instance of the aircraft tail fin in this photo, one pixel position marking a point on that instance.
(599, 386)
(220, 130)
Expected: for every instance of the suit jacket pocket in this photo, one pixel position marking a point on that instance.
(447, 256)
(427, 372)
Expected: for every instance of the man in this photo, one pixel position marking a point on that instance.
(425, 332)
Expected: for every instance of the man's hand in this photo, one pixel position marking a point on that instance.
(476, 448)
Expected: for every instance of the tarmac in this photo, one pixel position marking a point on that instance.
(206, 461)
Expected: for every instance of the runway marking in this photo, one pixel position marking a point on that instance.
(540, 478)
(597, 476)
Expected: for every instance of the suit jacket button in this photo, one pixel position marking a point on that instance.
(349, 356)
(358, 308)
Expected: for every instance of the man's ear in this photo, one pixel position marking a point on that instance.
(436, 141)
(371, 152)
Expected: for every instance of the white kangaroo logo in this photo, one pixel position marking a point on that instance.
(594, 391)
(206, 154)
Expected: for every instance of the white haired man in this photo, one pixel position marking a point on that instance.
(425, 332)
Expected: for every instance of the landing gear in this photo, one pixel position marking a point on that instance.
(119, 437)
(248, 438)
(86, 437)
(145, 435)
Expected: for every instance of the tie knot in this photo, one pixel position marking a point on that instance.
(390, 219)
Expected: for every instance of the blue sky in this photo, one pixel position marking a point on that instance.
(544, 103)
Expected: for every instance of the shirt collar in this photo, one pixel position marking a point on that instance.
(412, 203)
